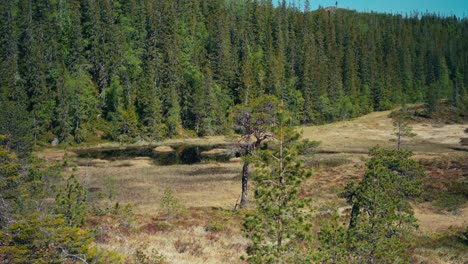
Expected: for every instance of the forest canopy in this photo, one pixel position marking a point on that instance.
(149, 69)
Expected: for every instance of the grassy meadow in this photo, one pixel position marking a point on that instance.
(186, 212)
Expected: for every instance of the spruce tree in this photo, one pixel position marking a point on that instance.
(9, 182)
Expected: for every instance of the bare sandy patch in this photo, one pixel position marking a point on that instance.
(447, 134)
(163, 149)
(431, 221)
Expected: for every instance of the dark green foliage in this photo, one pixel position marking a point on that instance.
(463, 236)
(257, 118)
(279, 227)
(35, 239)
(77, 107)
(23, 183)
(9, 182)
(71, 203)
(381, 216)
(39, 238)
(334, 242)
(145, 70)
(30, 231)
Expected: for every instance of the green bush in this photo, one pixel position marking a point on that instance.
(45, 238)
(71, 202)
(170, 204)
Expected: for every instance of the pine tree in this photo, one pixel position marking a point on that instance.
(279, 225)
(254, 123)
(10, 82)
(443, 76)
(149, 111)
(334, 241)
(402, 128)
(71, 203)
(37, 63)
(381, 217)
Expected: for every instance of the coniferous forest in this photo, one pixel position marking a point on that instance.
(146, 70)
(228, 103)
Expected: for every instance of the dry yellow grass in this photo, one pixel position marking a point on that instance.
(142, 183)
(362, 133)
(431, 221)
(191, 237)
(209, 190)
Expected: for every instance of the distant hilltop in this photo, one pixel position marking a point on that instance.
(331, 9)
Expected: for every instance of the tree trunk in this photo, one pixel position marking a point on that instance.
(399, 142)
(354, 215)
(245, 180)
(399, 135)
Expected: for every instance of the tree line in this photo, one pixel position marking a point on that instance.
(146, 69)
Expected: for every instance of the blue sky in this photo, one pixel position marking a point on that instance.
(444, 7)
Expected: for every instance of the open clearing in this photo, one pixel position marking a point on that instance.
(206, 230)
(362, 133)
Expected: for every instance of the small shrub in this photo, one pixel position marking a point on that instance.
(170, 204)
(450, 202)
(125, 215)
(191, 247)
(215, 226)
(144, 255)
(65, 163)
(450, 199)
(463, 236)
(71, 202)
(99, 210)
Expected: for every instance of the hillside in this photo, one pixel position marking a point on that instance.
(126, 71)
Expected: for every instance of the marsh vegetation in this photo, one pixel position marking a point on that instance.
(204, 227)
